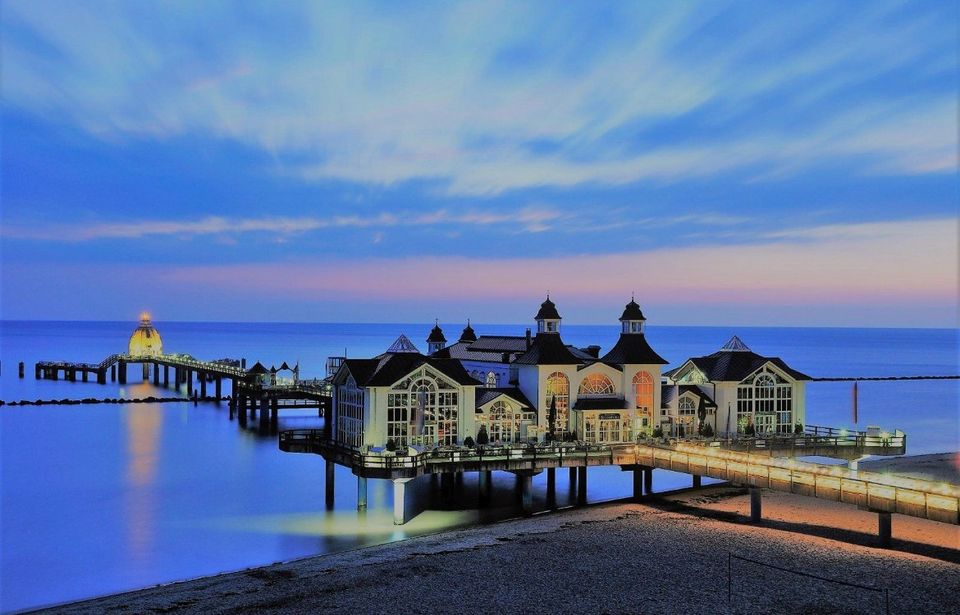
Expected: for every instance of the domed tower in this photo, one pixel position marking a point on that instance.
(436, 341)
(632, 320)
(548, 318)
(145, 341)
(468, 335)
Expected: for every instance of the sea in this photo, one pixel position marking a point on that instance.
(99, 499)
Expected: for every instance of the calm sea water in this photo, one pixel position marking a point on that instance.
(100, 499)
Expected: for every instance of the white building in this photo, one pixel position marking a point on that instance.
(749, 390)
(506, 384)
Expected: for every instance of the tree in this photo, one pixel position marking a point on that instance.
(552, 419)
(658, 432)
(482, 437)
(798, 429)
(707, 431)
(750, 430)
(391, 445)
(468, 441)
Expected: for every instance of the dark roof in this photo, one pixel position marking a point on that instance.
(667, 391)
(548, 311)
(403, 344)
(549, 349)
(436, 334)
(388, 368)
(258, 368)
(632, 349)
(632, 312)
(485, 396)
(468, 334)
(464, 351)
(500, 343)
(600, 403)
(734, 366)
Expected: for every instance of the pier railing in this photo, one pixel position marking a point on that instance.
(816, 440)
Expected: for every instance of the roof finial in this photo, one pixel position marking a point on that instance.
(468, 321)
(436, 322)
(548, 294)
(633, 295)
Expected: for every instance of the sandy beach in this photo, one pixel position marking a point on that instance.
(663, 556)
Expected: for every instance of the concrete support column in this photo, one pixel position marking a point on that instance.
(637, 482)
(274, 410)
(242, 410)
(188, 376)
(145, 372)
(697, 481)
(361, 493)
(218, 387)
(20, 370)
(203, 383)
(166, 375)
(264, 409)
(328, 483)
(156, 374)
(36, 371)
(399, 501)
(526, 481)
(648, 480)
(122, 372)
(884, 528)
(581, 485)
(756, 505)
(552, 487)
(85, 373)
(113, 373)
(102, 376)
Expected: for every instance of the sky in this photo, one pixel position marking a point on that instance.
(728, 163)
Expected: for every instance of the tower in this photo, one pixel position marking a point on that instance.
(435, 341)
(548, 318)
(632, 320)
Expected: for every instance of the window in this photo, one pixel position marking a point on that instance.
(503, 425)
(687, 406)
(643, 396)
(424, 408)
(596, 384)
(491, 380)
(350, 413)
(766, 401)
(558, 388)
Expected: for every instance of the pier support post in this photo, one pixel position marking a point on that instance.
(884, 528)
(399, 500)
(156, 374)
(145, 372)
(756, 504)
(102, 376)
(697, 481)
(361, 493)
(581, 485)
(86, 375)
(526, 481)
(274, 410)
(203, 383)
(166, 375)
(122, 372)
(328, 483)
(484, 484)
(648, 480)
(637, 482)
(552, 487)
(20, 370)
(218, 384)
(264, 410)
(113, 373)
(188, 376)
(36, 371)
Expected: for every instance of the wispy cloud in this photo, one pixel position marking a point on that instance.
(459, 93)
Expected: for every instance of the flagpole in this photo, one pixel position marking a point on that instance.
(855, 403)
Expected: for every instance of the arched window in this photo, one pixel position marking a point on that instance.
(687, 406)
(766, 401)
(558, 389)
(425, 407)
(491, 380)
(596, 384)
(643, 397)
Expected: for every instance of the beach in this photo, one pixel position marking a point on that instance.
(666, 555)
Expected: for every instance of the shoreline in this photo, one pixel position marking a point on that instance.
(690, 531)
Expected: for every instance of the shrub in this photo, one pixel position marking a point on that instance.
(749, 430)
(482, 437)
(708, 431)
(658, 432)
(391, 445)
(468, 441)
(798, 429)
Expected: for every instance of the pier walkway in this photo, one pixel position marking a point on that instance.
(756, 462)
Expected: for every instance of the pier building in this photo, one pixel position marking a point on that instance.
(513, 388)
(145, 340)
(740, 392)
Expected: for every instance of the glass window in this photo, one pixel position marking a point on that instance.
(643, 395)
(558, 388)
(596, 384)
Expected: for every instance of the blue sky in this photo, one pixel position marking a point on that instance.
(731, 163)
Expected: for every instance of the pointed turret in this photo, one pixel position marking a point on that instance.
(548, 318)
(632, 319)
(436, 340)
(468, 335)
(632, 348)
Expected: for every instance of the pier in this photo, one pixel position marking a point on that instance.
(758, 463)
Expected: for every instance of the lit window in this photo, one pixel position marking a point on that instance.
(596, 384)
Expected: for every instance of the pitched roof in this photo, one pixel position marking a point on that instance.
(632, 312)
(633, 348)
(735, 344)
(600, 403)
(500, 343)
(668, 390)
(388, 368)
(403, 344)
(485, 396)
(549, 349)
(548, 311)
(258, 368)
(734, 366)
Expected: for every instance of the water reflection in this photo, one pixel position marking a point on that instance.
(144, 424)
